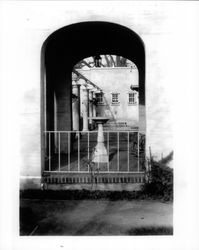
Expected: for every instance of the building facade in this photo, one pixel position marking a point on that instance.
(118, 98)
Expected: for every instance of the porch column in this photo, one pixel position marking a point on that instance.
(63, 93)
(90, 107)
(94, 105)
(85, 106)
(76, 102)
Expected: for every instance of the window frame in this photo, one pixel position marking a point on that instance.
(101, 102)
(134, 97)
(115, 102)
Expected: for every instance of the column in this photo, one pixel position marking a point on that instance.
(91, 107)
(55, 125)
(94, 105)
(85, 106)
(63, 92)
(76, 103)
(100, 152)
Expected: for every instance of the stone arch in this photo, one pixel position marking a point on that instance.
(70, 44)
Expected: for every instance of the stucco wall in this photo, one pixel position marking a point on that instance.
(153, 22)
(115, 80)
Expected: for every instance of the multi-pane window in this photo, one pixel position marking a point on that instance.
(99, 98)
(133, 97)
(115, 97)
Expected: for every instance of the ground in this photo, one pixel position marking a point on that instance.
(95, 217)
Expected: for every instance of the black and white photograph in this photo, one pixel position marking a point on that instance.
(99, 128)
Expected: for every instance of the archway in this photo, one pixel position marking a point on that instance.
(66, 47)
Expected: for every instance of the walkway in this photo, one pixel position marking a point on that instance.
(95, 217)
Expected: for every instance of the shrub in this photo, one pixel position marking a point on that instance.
(160, 179)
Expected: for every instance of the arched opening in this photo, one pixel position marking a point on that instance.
(61, 52)
(113, 87)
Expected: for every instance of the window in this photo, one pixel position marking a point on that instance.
(133, 96)
(115, 98)
(99, 98)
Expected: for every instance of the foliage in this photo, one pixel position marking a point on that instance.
(160, 179)
(93, 170)
(107, 61)
(151, 230)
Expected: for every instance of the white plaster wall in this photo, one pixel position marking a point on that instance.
(34, 22)
(116, 80)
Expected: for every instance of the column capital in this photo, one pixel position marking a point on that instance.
(75, 84)
(95, 90)
(75, 80)
(85, 87)
(91, 90)
(75, 77)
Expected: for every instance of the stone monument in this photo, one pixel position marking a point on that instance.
(100, 151)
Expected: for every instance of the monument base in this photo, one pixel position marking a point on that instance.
(100, 155)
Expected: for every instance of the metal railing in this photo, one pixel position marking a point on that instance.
(72, 151)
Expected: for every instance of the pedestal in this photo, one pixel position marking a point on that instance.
(91, 108)
(100, 152)
(85, 108)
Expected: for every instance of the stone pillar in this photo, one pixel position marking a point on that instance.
(94, 106)
(100, 152)
(55, 125)
(76, 103)
(91, 107)
(63, 91)
(85, 107)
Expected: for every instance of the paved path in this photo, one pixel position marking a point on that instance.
(92, 217)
